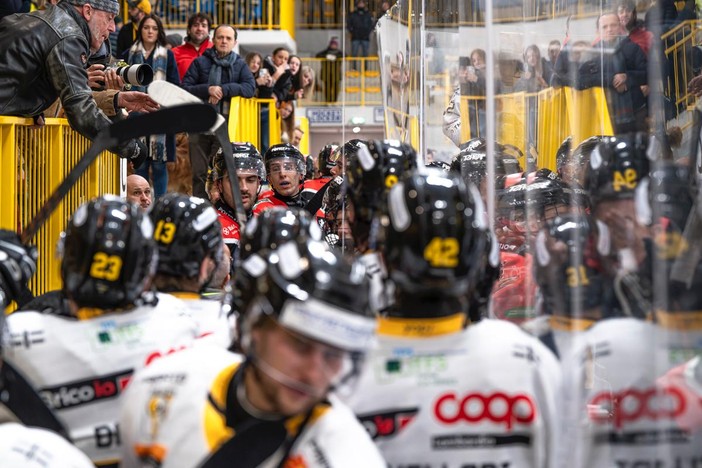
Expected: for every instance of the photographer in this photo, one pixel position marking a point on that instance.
(45, 53)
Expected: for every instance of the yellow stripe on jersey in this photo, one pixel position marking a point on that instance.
(216, 430)
(680, 320)
(187, 296)
(293, 424)
(420, 328)
(561, 323)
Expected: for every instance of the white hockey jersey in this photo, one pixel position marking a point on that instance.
(174, 415)
(215, 327)
(381, 291)
(25, 447)
(435, 395)
(618, 412)
(81, 367)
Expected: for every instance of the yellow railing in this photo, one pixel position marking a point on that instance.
(542, 120)
(354, 81)
(679, 44)
(34, 161)
(242, 14)
(244, 120)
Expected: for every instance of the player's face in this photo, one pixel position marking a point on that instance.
(248, 187)
(294, 372)
(283, 177)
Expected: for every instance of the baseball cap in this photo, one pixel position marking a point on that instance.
(110, 6)
(143, 5)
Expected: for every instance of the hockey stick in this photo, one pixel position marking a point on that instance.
(191, 118)
(167, 95)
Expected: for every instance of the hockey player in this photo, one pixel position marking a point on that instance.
(286, 169)
(251, 175)
(20, 445)
(303, 331)
(435, 393)
(80, 359)
(328, 168)
(617, 165)
(189, 240)
(571, 253)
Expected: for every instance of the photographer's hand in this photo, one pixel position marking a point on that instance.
(135, 101)
(113, 80)
(96, 75)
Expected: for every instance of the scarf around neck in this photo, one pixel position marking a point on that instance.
(218, 64)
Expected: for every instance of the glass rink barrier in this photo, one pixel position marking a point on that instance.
(578, 124)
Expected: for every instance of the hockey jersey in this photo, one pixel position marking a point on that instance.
(25, 447)
(175, 414)
(436, 395)
(80, 367)
(214, 325)
(617, 413)
(381, 290)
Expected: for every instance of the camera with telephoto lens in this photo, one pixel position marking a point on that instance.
(136, 75)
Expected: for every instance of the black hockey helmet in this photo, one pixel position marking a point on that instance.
(314, 292)
(186, 230)
(285, 151)
(108, 254)
(370, 174)
(327, 159)
(436, 234)
(569, 253)
(334, 206)
(246, 158)
(617, 165)
(436, 164)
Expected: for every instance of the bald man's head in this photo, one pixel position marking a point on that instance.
(139, 191)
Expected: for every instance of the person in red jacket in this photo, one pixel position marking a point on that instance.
(196, 42)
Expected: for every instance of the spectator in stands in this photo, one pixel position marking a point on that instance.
(128, 34)
(119, 24)
(264, 90)
(9, 7)
(533, 77)
(295, 67)
(279, 69)
(619, 66)
(331, 69)
(569, 59)
(217, 76)
(139, 191)
(626, 11)
(297, 137)
(471, 77)
(549, 62)
(150, 48)
(360, 24)
(43, 56)
(307, 80)
(197, 40)
(287, 119)
(174, 40)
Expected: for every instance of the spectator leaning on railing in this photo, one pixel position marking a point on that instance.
(44, 54)
(217, 76)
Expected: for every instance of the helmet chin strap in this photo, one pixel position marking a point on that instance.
(283, 379)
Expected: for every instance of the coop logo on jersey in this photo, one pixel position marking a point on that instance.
(86, 391)
(387, 424)
(476, 408)
(632, 404)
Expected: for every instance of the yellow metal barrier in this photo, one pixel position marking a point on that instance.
(354, 81)
(543, 120)
(242, 14)
(34, 161)
(244, 120)
(679, 44)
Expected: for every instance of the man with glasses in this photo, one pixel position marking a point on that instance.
(286, 169)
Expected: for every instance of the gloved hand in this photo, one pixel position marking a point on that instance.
(17, 265)
(135, 151)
